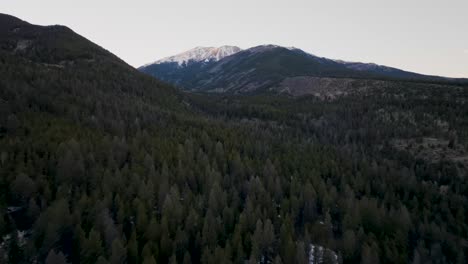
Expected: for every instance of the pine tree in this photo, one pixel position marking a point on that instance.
(349, 244)
(102, 260)
(92, 247)
(149, 260)
(369, 255)
(118, 254)
(132, 249)
(301, 254)
(55, 258)
(187, 259)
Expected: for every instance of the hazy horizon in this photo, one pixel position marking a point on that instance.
(427, 37)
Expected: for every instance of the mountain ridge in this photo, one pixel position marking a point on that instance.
(246, 70)
(199, 54)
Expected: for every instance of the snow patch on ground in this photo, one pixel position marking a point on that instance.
(21, 236)
(22, 45)
(317, 254)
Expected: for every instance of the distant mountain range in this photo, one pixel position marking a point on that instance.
(265, 67)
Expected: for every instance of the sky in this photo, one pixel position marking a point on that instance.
(429, 36)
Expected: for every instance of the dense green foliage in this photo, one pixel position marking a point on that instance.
(100, 164)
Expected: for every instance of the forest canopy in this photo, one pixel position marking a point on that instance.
(102, 164)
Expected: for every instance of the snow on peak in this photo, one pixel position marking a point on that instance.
(200, 54)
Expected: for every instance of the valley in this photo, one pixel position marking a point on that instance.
(263, 155)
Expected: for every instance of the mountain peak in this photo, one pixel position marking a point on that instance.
(201, 54)
(8, 22)
(267, 47)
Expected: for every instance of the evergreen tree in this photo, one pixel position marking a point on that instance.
(55, 258)
(149, 260)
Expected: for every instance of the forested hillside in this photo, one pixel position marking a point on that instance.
(102, 164)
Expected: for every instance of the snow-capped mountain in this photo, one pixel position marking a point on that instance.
(268, 67)
(245, 70)
(200, 54)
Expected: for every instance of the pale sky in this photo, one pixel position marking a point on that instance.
(425, 36)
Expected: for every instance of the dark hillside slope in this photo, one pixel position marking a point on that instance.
(54, 69)
(48, 44)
